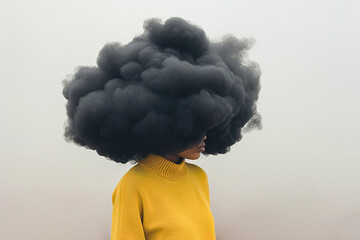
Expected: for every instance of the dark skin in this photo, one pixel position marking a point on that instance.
(190, 153)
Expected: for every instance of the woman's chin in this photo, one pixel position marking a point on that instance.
(193, 156)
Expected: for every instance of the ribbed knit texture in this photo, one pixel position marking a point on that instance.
(159, 200)
(165, 168)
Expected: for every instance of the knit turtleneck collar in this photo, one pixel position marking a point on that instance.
(164, 167)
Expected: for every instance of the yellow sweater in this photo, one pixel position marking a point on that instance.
(160, 200)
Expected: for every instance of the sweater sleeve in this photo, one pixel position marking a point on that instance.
(205, 183)
(127, 212)
(207, 189)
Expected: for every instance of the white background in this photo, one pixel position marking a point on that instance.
(297, 179)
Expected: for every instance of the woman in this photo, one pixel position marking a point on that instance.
(161, 93)
(163, 197)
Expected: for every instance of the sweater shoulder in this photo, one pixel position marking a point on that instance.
(132, 178)
(129, 183)
(195, 169)
(133, 175)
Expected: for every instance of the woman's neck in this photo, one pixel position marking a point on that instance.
(173, 158)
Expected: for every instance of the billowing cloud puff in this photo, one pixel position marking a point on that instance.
(162, 92)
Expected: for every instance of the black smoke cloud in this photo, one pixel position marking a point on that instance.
(162, 92)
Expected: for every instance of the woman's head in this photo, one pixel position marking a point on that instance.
(160, 92)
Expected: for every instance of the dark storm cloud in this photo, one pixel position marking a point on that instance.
(162, 92)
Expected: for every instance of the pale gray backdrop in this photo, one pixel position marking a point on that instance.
(297, 179)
